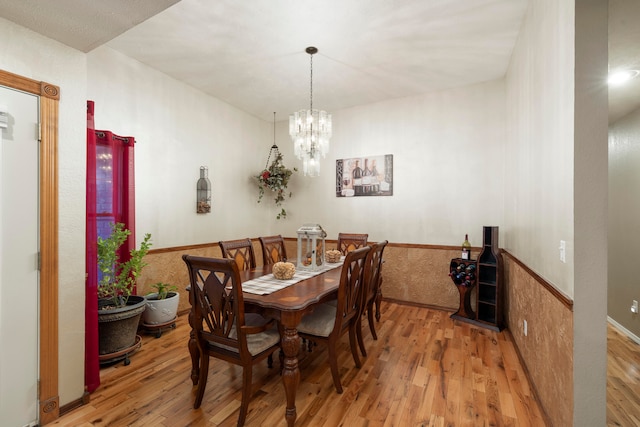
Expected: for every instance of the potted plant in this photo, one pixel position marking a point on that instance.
(275, 178)
(162, 305)
(118, 310)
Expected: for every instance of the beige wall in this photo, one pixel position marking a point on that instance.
(448, 151)
(539, 152)
(624, 211)
(31, 55)
(557, 173)
(177, 130)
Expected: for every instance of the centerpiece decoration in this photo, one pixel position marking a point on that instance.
(311, 247)
(333, 256)
(275, 176)
(283, 270)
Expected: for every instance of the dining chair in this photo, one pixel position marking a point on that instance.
(240, 250)
(273, 249)
(222, 328)
(328, 322)
(371, 293)
(350, 241)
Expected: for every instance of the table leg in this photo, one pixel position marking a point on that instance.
(291, 372)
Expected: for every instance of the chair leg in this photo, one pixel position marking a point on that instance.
(333, 363)
(359, 335)
(202, 380)
(246, 394)
(378, 301)
(372, 327)
(353, 344)
(270, 361)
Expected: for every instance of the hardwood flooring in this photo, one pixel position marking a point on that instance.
(424, 370)
(623, 379)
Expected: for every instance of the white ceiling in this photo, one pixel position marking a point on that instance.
(252, 54)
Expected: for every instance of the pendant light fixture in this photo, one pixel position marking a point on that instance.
(310, 131)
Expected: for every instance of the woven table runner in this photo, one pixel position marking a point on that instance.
(268, 284)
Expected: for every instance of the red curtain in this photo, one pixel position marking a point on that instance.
(91, 362)
(110, 199)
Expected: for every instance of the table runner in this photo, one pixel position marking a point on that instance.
(267, 284)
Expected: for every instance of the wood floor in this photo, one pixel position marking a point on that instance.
(623, 380)
(424, 370)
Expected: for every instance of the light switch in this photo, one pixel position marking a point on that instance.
(563, 251)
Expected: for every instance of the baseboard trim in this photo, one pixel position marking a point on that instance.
(623, 330)
(74, 404)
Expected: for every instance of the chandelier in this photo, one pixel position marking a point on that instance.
(310, 131)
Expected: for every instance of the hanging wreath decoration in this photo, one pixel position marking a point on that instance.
(275, 177)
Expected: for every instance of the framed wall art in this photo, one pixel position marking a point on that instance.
(365, 176)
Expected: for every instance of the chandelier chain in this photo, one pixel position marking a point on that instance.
(274, 146)
(311, 85)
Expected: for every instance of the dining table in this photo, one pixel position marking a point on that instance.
(287, 301)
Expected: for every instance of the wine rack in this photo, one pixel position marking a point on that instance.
(463, 274)
(489, 272)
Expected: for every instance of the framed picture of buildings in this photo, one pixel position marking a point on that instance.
(365, 176)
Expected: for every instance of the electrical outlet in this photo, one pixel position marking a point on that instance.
(563, 251)
(524, 327)
(634, 306)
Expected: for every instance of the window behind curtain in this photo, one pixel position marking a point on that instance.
(115, 191)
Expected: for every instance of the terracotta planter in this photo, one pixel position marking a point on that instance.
(117, 328)
(161, 311)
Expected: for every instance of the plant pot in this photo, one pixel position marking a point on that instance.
(117, 328)
(160, 311)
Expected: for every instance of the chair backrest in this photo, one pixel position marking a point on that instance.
(348, 242)
(273, 249)
(217, 304)
(351, 287)
(240, 250)
(374, 269)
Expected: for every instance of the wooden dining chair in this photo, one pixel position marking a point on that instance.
(222, 329)
(372, 292)
(273, 249)
(350, 241)
(240, 250)
(328, 322)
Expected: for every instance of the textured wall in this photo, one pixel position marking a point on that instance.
(420, 275)
(547, 350)
(426, 282)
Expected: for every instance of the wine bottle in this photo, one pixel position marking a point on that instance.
(366, 175)
(466, 248)
(357, 178)
(375, 182)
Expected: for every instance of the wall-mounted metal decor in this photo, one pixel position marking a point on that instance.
(365, 176)
(203, 192)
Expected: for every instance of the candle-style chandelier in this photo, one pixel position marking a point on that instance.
(310, 131)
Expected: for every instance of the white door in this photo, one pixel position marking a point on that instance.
(19, 246)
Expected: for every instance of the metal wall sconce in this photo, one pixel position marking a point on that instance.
(203, 192)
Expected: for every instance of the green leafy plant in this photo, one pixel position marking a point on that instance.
(163, 289)
(275, 178)
(119, 278)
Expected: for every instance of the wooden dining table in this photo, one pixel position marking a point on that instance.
(286, 305)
